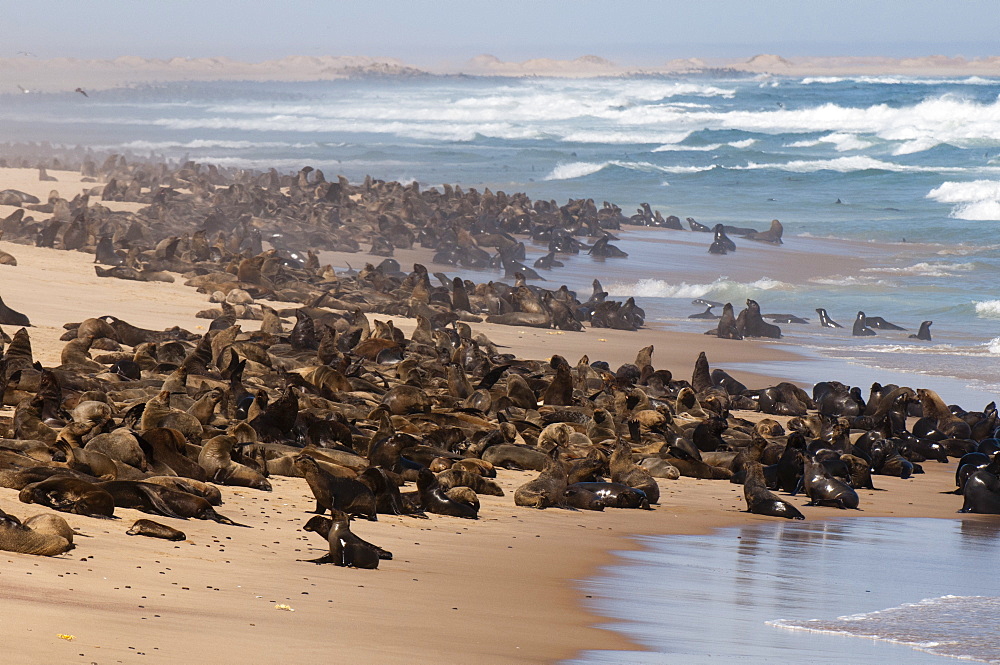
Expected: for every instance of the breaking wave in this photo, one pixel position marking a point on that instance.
(978, 200)
(721, 289)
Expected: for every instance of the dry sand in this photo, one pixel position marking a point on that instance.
(497, 590)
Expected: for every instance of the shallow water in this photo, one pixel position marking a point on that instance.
(738, 594)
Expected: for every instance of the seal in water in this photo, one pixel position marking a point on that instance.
(346, 548)
(153, 529)
(924, 333)
(825, 320)
(760, 500)
(707, 314)
(881, 324)
(754, 325)
(861, 328)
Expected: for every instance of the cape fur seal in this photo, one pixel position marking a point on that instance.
(70, 495)
(333, 493)
(861, 328)
(825, 320)
(144, 527)
(42, 535)
(346, 548)
(924, 333)
(434, 499)
(825, 490)
(760, 500)
(722, 243)
(10, 317)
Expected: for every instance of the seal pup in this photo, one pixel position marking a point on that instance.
(346, 548)
(825, 320)
(144, 527)
(861, 328)
(760, 500)
(924, 333)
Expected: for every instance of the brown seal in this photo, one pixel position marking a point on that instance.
(760, 500)
(333, 493)
(346, 548)
(144, 527)
(43, 539)
(70, 495)
(627, 472)
(434, 499)
(545, 490)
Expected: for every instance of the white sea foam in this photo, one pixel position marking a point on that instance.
(840, 164)
(674, 147)
(988, 308)
(954, 626)
(993, 346)
(895, 80)
(842, 142)
(976, 200)
(722, 288)
(925, 269)
(572, 170)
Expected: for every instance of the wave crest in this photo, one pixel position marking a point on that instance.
(721, 289)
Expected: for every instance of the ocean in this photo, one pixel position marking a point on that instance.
(858, 590)
(901, 173)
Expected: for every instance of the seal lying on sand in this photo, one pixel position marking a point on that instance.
(144, 527)
(50, 536)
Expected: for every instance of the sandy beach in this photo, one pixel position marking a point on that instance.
(501, 589)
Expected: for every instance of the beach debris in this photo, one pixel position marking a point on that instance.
(284, 608)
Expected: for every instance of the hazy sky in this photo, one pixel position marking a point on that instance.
(450, 31)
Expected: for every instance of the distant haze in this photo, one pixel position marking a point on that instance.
(441, 33)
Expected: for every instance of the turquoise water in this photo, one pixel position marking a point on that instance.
(843, 591)
(875, 161)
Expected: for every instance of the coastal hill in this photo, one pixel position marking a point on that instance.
(32, 74)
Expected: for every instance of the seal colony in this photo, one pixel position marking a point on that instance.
(328, 394)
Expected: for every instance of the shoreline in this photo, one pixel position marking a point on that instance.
(514, 572)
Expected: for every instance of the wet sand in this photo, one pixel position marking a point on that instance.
(500, 589)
